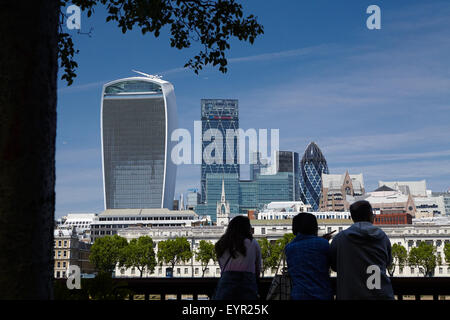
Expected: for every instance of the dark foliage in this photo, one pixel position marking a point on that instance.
(212, 23)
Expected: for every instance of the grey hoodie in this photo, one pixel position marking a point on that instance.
(352, 252)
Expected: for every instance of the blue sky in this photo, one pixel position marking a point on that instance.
(376, 102)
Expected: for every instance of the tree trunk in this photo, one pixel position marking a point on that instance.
(28, 72)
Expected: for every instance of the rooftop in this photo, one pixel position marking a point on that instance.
(146, 212)
(289, 222)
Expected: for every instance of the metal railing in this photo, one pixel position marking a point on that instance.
(405, 288)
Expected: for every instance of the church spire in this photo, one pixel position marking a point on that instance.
(222, 198)
(223, 208)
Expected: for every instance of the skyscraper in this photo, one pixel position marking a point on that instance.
(312, 166)
(138, 115)
(288, 161)
(219, 115)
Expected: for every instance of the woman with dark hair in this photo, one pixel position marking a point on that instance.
(239, 258)
(308, 260)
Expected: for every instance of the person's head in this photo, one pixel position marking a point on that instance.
(361, 211)
(305, 223)
(237, 231)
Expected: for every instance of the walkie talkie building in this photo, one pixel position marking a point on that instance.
(138, 115)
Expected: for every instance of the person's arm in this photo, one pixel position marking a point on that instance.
(389, 252)
(333, 254)
(329, 235)
(258, 261)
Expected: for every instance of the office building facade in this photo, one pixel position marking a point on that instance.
(245, 196)
(288, 161)
(138, 115)
(312, 166)
(338, 190)
(193, 198)
(219, 115)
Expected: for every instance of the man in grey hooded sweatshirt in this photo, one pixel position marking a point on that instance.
(360, 256)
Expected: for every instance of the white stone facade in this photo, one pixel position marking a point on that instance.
(405, 235)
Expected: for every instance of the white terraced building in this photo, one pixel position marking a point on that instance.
(426, 203)
(414, 188)
(282, 210)
(81, 221)
(110, 221)
(289, 209)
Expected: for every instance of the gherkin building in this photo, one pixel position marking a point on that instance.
(312, 166)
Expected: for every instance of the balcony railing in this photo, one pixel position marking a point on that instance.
(411, 288)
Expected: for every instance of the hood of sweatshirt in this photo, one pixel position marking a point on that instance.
(363, 232)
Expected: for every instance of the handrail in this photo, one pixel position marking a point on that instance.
(404, 287)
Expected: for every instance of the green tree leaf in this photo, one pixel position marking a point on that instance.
(106, 252)
(399, 257)
(447, 252)
(173, 251)
(423, 256)
(205, 253)
(140, 254)
(270, 254)
(211, 23)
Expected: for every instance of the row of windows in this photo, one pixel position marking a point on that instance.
(197, 271)
(146, 218)
(61, 243)
(121, 226)
(62, 254)
(274, 229)
(160, 271)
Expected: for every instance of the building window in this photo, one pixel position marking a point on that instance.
(186, 270)
(217, 270)
(178, 271)
(59, 264)
(412, 270)
(196, 271)
(58, 274)
(59, 243)
(64, 264)
(133, 270)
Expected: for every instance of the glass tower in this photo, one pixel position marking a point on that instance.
(137, 116)
(221, 115)
(214, 192)
(288, 161)
(312, 166)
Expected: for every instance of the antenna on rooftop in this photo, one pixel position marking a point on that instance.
(148, 75)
